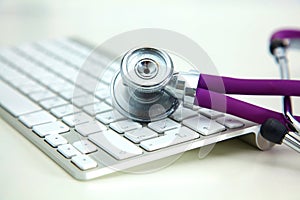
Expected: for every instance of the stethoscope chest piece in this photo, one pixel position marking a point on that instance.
(138, 88)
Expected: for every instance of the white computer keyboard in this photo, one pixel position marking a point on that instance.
(81, 130)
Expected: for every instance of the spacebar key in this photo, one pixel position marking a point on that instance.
(114, 144)
(14, 102)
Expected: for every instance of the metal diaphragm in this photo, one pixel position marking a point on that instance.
(146, 69)
(138, 89)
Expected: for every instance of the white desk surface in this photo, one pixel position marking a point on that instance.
(234, 34)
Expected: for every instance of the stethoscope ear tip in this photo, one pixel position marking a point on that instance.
(273, 130)
(276, 43)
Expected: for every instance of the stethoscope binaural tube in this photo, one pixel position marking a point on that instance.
(287, 131)
(280, 41)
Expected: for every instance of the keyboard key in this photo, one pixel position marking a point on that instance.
(50, 79)
(58, 87)
(84, 162)
(14, 102)
(53, 102)
(64, 110)
(90, 127)
(38, 96)
(9, 74)
(107, 76)
(171, 137)
(78, 118)
(84, 100)
(115, 144)
(109, 101)
(140, 134)
(87, 82)
(36, 118)
(39, 73)
(125, 125)
(109, 117)
(68, 95)
(97, 108)
(212, 114)
(183, 113)
(55, 140)
(103, 94)
(19, 80)
(29, 89)
(50, 128)
(203, 125)
(68, 150)
(74, 46)
(70, 74)
(230, 122)
(85, 146)
(163, 125)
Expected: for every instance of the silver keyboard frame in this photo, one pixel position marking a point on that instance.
(249, 133)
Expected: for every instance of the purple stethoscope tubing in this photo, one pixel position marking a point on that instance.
(286, 34)
(209, 91)
(206, 94)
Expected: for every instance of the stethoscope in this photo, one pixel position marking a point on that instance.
(147, 88)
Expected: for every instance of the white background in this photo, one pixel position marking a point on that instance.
(235, 35)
